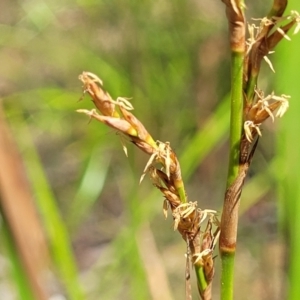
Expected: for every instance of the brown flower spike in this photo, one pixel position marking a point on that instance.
(187, 216)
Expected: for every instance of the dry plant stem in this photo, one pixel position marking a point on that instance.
(18, 210)
(236, 173)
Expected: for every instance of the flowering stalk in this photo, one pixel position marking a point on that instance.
(188, 218)
(249, 109)
(229, 220)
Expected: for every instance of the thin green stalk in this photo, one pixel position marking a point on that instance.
(243, 148)
(89, 189)
(227, 279)
(286, 171)
(235, 176)
(229, 220)
(201, 280)
(213, 131)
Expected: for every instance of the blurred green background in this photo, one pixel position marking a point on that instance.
(172, 59)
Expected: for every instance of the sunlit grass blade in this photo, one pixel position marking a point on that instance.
(59, 240)
(90, 187)
(200, 145)
(17, 269)
(287, 173)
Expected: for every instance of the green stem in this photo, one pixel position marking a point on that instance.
(227, 276)
(201, 280)
(229, 220)
(230, 209)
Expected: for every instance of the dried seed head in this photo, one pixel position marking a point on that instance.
(204, 258)
(264, 38)
(264, 108)
(125, 122)
(169, 180)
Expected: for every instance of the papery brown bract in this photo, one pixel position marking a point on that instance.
(100, 97)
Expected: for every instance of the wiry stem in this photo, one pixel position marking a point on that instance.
(229, 221)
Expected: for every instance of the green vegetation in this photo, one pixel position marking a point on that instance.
(105, 234)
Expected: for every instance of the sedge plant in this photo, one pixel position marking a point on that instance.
(249, 109)
(164, 170)
(200, 228)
